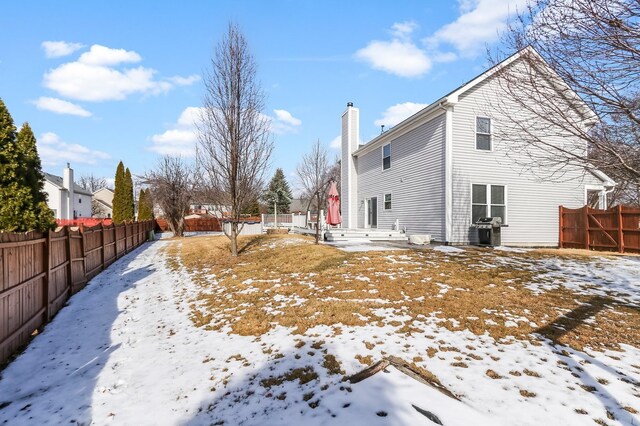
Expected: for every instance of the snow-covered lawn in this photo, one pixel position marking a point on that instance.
(179, 333)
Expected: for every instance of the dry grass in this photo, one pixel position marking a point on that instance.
(286, 280)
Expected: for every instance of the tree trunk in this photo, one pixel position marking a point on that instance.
(318, 219)
(234, 239)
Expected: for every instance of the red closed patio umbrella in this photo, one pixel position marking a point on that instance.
(333, 209)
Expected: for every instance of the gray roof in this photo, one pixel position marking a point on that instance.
(57, 181)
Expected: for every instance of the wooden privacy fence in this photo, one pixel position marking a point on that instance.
(203, 224)
(615, 229)
(40, 271)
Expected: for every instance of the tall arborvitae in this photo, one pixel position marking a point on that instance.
(118, 195)
(20, 209)
(145, 208)
(129, 205)
(34, 178)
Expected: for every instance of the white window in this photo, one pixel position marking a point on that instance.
(488, 201)
(483, 133)
(386, 156)
(387, 201)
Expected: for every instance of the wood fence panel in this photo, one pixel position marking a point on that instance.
(120, 240)
(39, 272)
(58, 270)
(93, 251)
(614, 229)
(22, 290)
(78, 275)
(109, 234)
(631, 229)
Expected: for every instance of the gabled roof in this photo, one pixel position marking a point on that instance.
(104, 188)
(57, 181)
(452, 98)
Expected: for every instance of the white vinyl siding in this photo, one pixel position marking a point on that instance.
(532, 202)
(416, 180)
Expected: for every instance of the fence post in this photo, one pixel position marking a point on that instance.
(70, 264)
(561, 227)
(47, 257)
(126, 239)
(620, 230)
(102, 231)
(585, 218)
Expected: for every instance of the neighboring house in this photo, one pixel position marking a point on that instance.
(103, 203)
(439, 170)
(67, 199)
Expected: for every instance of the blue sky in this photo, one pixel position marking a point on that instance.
(104, 81)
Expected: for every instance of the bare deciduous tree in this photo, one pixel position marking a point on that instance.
(234, 142)
(315, 172)
(93, 183)
(594, 47)
(172, 186)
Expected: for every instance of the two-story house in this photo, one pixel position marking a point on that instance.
(441, 169)
(67, 199)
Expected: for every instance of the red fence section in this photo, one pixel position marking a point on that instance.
(39, 272)
(86, 221)
(615, 229)
(194, 225)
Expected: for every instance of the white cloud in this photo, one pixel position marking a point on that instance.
(61, 107)
(480, 23)
(286, 117)
(184, 81)
(181, 138)
(283, 122)
(102, 55)
(396, 113)
(95, 77)
(403, 29)
(336, 143)
(400, 56)
(57, 49)
(54, 151)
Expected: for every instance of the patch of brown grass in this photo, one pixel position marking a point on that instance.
(332, 364)
(302, 375)
(527, 394)
(320, 285)
(365, 360)
(493, 374)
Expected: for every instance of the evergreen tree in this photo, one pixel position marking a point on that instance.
(118, 195)
(145, 209)
(279, 193)
(33, 178)
(129, 205)
(22, 203)
(253, 208)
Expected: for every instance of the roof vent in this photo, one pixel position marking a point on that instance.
(349, 104)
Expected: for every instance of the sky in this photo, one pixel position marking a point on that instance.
(105, 81)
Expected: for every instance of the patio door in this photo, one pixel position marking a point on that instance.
(371, 215)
